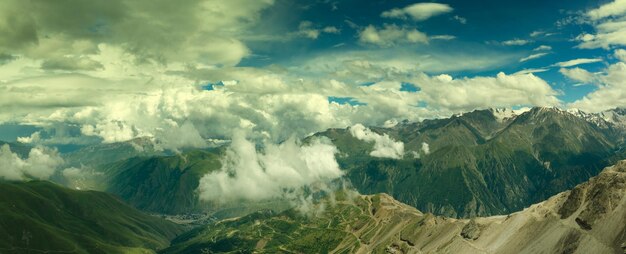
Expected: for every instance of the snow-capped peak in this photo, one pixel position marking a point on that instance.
(502, 114)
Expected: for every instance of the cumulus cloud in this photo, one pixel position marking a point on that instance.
(611, 85)
(33, 138)
(40, 163)
(418, 11)
(609, 21)
(390, 35)
(615, 8)
(578, 74)
(620, 54)
(610, 94)
(503, 89)
(279, 171)
(578, 61)
(533, 56)
(175, 106)
(192, 31)
(384, 146)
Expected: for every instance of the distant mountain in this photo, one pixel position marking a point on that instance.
(591, 218)
(42, 217)
(100, 154)
(613, 121)
(161, 184)
(481, 163)
(167, 185)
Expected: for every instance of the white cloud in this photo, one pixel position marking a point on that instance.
(444, 37)
(543, 48)
(578, 61)
(609, 21)
(308, 29)
(40, 163)
(610, 94)
(533, 56)
(425, 148)
(331, 30)
(33, 138)
(465, 93)
(621, 54)
(418, 11)
(390, 35)
(615, 8)
(382, 62)
(578, 74)
(516, 42)
(384, 146)
(129, 98)
(194, 31)
(279, 171)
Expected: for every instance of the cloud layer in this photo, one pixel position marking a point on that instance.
(40, 164)
(384, 146)
(61, 32)
(279, 171)
(609, 21)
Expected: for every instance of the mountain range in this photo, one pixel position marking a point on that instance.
(476, 181)
(481, 163)
(590, 218)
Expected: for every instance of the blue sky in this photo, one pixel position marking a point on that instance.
(477, 27)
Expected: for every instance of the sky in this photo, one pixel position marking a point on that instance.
(188, 72)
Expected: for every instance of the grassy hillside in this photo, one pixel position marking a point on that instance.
(40, 216)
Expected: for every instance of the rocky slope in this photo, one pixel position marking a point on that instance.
(591, 218)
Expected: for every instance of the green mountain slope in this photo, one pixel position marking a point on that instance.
(591, 218)
(478, 164)
(40, 216)
(167, 185)
(102, 154)
(162, 184)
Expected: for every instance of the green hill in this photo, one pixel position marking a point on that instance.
(40, 216)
